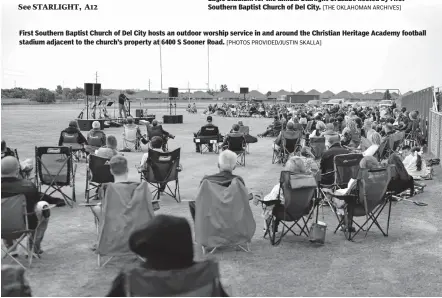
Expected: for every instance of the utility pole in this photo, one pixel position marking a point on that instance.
(96, 77)
(149, 85)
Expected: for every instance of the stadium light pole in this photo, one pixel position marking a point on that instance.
(208, 68)
(161, 68)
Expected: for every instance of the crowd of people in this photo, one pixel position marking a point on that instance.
(166, 242)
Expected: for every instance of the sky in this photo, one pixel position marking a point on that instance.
(342, 63)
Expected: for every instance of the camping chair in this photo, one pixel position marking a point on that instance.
(239, 146)
(131, 137)
(318, 146)
(209, 136)
(368, 200)
(71, 140)
(223, 216)
(162, 168)
(15, 227)
(54, 167)
(126, 208)
(288, 146)
(299, 195)
(346, 167)
(94, 143)
(200, 280)
(249, 139)
(97, 173)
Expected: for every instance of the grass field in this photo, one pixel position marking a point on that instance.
(407, 263)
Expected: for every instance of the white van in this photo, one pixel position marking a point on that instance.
(334, 102)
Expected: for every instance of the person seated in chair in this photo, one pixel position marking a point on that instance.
(235, 133)
(208, 125)
(26, 166)
(120, 171)
(130, 126)
(375, 140)
(329, 131)
(400, 180)
(226, 165)
(96, 138)
(368, 162)
(327, 164)
(156, 130)
(288, 134)
(166, 244)
(110, 150)
(156, 144)
(294, 165)
(11, 186)
(72, 130)
(275, 127)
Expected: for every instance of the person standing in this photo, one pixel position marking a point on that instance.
(121, 105)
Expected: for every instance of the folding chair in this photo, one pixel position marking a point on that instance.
(126, 208)
(246, 131)
(70, 140)
(239, 146)
(346, 167)
(318, 146)
(54, 167)
(131, 138)
(15, 227)
(97, 173)
(200, 280)
(223, 217)
(288, 146)
(162, 168)
(368, 200)
(94, 143)
(299, 199)
(208, 137)
(390, 145)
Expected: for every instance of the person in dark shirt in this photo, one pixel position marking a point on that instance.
(235, 133)
(121, 105)
(11, 186)
(166, 244)
(327, 164)
(275, 127)
(72, 129)
(208, 125)
(156, 130)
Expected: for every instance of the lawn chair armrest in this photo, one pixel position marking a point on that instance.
(90, 204)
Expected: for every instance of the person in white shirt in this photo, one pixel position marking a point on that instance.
(415, 165)
(155, 144)
(320, 128)
(375, 140)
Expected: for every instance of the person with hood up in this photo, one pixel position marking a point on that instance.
(169, 269)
